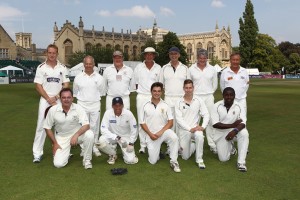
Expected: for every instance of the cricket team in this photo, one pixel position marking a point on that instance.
(181, 120)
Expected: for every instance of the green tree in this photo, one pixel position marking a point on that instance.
(76, 58)
(288, 48)
(248, 32)
(170, 40)
(294, 62)
(215, 61)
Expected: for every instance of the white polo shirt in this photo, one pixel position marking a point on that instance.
(88, 88)
(66, 124)
(189, 115)
(239, 82)
(144, 77)
(118, 83)
(51, 78)
(155, 116)
(123, 125)
(205, 81)
(219, 114)
(173, 80)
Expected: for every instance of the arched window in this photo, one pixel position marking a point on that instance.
(134, 52)
(126, 49)
(118, 47)
(108, 46)
(68, 45)
(224, 50)
(199, 46)
(189, 51)
(88, 47)
(210, 50)
(98, 46)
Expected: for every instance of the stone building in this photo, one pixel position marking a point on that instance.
(24, 40)
(8, 48)
(70, 39)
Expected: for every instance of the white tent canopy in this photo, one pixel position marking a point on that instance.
(11, 68)
(78, 69)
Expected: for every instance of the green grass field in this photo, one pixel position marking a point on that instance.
(273, 162)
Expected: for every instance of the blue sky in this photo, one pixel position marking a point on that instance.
(278, 18)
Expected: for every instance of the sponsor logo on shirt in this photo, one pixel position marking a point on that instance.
(230, 78)
(242, 77)
(134, 126)
(112, 121)
(53, 79)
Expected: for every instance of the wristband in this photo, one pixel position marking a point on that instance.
(236, 130)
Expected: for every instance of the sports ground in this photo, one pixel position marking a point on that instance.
(273, 162)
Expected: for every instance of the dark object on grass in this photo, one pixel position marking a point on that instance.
(119, 171)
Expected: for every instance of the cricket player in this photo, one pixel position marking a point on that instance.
(157, 121)
(118, 126)
(145, 74)
(189, 110)
(71, 127)
(236, 77)
(205, 80)
(229, 120)
(172, 76)
(118, 81)
(51, 76)
(88, 88)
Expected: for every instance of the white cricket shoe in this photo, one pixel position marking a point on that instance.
(175, 167)
(112, 159)
(242, 167)
(96, 151)
(142, 150)
(37, 159)
(201, 165)
(87, 164)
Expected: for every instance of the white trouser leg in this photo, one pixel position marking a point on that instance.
(40, 134)
(185, 143)
(154, 146)
(61, 157)
(243, 103)
(129, 158)
(141, 99)
(243, 143)
(199, 141)
(171, 101)
(223, 146)
(126, 102)
(87, 139)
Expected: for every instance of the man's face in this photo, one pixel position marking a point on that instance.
(188, 89)
(52, 54)
(156, 92)
(118, 107)
(66, 99)
(228, 97)
(118, 61)
(149, 57)
(88, 65)
(235, 61)
(174, 56)
(202, 60)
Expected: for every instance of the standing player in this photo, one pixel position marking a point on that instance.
(156, 120)
(229, 120)
(118, 126)
(189, 110)
(88, 88)
(205, 80)
(172, 76)
(71, 127)
(51, 76)
(145, 74)
(118, 81)
(236, 77)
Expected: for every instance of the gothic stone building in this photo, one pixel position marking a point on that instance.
(70, 39)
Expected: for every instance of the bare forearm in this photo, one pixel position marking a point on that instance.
(50, 134)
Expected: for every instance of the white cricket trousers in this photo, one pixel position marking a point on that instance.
(40, 134)
(189, 147)
(171, 101)
(153, 146)
(92, 110)
(243, 103)
(126, 101)
(141, 99)
(110, 149)
(61, 157)
(224, 147)
(209, 99)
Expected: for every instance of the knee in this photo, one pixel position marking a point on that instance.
(59, 164)
(89, 135)
(223, 158)
(199, 136)
(244, 133)
(152, 160)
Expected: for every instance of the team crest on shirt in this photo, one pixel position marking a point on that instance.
(162, 110)
(230, 78)
(242, 77)
(75, 118)
(125, 73)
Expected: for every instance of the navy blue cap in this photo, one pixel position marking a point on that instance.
(117, 100)
(174, 49)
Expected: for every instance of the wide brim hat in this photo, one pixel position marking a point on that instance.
(150, 50)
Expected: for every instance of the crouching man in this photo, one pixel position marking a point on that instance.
(229, 119)
(118, 126)
(71, 127)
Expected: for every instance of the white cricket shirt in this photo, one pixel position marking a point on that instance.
(118, 83)
(123, 125)
(66, 124)
(173, 80)
(50, 78)
(205, 81)
(88, 88)
(189, 115)
(239, 82)
(155, 116)
(144, 77)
